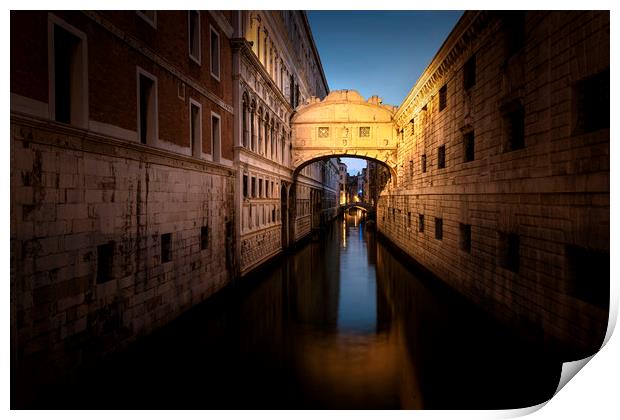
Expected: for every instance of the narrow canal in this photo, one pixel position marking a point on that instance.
(341, 323)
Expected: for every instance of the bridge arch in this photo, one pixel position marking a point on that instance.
(344, 124)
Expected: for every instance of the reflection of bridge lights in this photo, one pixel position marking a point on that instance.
(344, 232)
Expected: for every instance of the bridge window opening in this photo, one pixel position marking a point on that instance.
(438, 228)
(105, 254)
(421, 223)
(253, 187)
(204, 237)
(245, 186)
(469, 73)
(166, 247)
(412, 121)
(411, 168)
(273, 213)
(260, 188)
(194, 35)
(409, 219)
(443, 97)
(587, 275)
(514, 128)
(591, 103)
(508, 251)
(441, 157)
(423, 162)
(468, 146)
(68, 76)
(272, 189)
(465, 237)
(364, 132)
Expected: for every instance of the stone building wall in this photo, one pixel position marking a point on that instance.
(276, 69)
(515, 190)
(89, 216)
(111, 236)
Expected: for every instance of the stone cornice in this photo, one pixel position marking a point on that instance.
(314, 49)
(222, 22)
(470, 24)
(156, 58)
(51, 133)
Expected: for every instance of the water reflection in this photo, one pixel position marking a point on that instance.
(341, 323)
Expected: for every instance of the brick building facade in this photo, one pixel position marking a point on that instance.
(126, 175)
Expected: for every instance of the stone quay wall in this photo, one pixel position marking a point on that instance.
(109, 240)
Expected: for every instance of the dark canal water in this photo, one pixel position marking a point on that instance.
(341, 323)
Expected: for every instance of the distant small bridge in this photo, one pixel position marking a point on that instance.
(361, 205)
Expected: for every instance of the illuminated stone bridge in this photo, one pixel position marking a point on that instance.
(344, 124)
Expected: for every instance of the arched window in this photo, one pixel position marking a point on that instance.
(259, 143)
(253, 126)
(244, 120)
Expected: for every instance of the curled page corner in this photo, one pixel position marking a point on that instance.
(569, 370)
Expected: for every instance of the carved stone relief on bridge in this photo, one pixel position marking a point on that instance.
(344, 124)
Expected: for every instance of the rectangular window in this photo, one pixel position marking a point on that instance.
(68, 76)
(195, 128)
(409, 219)
(411, 168)
(443, 97)
(591, 103)
(105, 255)
(273, 214)
(465, 239)
(441, 157)
(216, 140)
(469, 73)
(514, 128)
(260, 187)
(253, 187)
(166, 247)
(438, 228)
(215, 54)
(508, 251)
(245, 186)
(204, 237)
(194, 35)
(468, 146)
(412, 121)
(513, 26)
(587, 275)
(421, 223)
(147, 109)
(423, 161)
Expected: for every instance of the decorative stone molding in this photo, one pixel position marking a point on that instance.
(467, 29)
(344, 124)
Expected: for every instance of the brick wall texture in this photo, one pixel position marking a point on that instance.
(552, 193)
